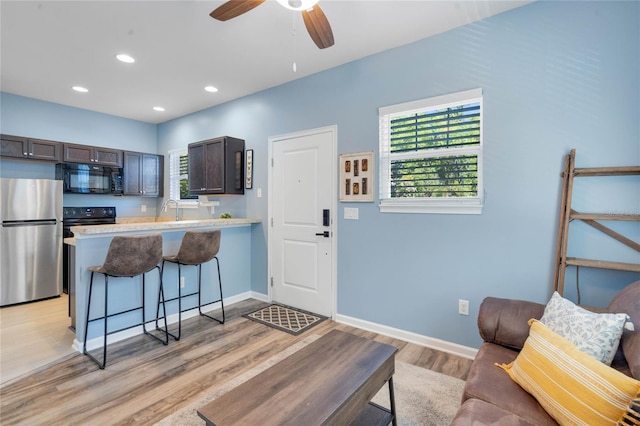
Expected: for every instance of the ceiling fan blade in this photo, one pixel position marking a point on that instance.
(234, 8)
(318, 27)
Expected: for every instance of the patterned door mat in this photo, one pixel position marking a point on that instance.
(284, 318)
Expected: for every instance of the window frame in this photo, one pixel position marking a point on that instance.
(174, 179)
(445, 205)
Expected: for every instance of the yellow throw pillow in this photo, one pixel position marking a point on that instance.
(572, 386)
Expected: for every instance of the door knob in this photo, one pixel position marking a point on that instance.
(323, 234)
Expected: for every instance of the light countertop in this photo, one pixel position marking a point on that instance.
(118, 228)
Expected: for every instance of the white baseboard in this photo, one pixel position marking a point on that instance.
(407, 336)
(418, 339)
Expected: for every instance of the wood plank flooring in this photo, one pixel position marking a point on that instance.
(145, 381)
(32, 335)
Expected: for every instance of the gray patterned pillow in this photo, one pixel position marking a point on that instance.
(593, 333)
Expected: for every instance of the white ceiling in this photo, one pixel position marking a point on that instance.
(49, 46)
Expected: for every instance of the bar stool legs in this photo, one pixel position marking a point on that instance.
(200, 293)
(127, 257)
(196, 248)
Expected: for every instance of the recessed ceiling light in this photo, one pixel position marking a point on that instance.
(123, 57)
(158, 108)
(80, 89)
(211, 89)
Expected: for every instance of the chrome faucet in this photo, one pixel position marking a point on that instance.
(166, 204)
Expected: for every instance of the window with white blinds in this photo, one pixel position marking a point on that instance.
(179, 175)
(431, 155)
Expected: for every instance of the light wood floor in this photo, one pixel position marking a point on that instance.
(145, 381)
(32, 335)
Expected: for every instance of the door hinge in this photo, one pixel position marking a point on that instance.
(272, 162)
(272, 222)
(271, 281)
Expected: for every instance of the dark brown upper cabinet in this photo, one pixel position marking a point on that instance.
(216, 166)
(92, 155)
(30, 149)
(143, 174)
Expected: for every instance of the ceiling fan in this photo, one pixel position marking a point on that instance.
(314, 18)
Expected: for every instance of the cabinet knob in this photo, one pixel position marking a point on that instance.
(31, 153)
(26, 153)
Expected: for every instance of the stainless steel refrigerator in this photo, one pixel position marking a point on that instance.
(30, 240)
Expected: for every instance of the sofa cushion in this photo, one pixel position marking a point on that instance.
(628, 301)
(573, 387)
(597, 334)
(477, 412)
(489, 383)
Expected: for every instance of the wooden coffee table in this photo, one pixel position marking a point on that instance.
(328, 382)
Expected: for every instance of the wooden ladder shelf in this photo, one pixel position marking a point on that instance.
(567, 214)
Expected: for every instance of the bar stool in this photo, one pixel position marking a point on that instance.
(127, 257)
(196, 248)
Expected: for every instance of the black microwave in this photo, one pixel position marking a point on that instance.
(90, 178)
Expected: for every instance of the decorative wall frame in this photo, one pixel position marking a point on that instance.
(356, 177)
(248, 175)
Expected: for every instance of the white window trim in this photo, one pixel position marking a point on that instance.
(470, 205)
(174, 180)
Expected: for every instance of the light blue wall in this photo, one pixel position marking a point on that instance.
(555, 76)
(45, 120)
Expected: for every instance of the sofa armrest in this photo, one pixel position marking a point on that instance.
(505, 321)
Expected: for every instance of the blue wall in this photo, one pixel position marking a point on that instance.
(555, 76)
(45, 120)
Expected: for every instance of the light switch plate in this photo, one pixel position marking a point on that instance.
(351, 213)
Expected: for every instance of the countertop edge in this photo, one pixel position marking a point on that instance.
(81, 232)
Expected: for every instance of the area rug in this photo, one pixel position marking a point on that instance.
(423, 397)
(285, 318)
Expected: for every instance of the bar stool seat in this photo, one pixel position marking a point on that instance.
(128, 256)
(196, 248)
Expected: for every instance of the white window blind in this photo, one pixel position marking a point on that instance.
(431, 155)
(179, 175)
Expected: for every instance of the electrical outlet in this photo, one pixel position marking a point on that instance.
(463, 307)
(143, 208)
(181, 282)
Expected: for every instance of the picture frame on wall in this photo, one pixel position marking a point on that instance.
(248, 184)
(356, 177)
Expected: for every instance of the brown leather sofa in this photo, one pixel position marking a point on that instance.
(490, 396)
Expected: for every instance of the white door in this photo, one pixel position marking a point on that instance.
(302, 206)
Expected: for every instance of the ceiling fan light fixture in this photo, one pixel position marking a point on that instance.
(298, 4)
(123, 57)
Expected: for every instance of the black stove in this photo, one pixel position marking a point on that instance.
(86, 216)
(79, 216)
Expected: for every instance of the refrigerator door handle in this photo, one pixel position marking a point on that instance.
(14, 224)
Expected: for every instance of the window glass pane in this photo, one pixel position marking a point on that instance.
(184, 179)
(179, 176)
(455, 176)
(444, 128)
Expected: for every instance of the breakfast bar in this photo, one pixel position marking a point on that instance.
(89, 247)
